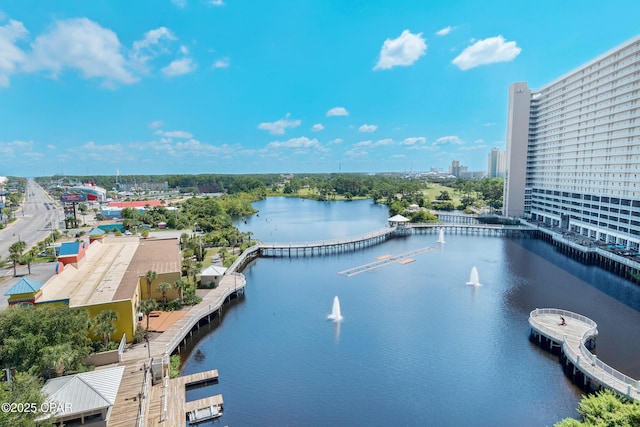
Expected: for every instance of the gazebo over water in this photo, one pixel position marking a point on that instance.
(398, 221)
(401, 225)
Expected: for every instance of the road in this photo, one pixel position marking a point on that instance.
(38, 216)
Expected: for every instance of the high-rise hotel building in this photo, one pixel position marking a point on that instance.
(573, 149)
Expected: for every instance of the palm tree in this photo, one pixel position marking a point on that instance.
(181, 285)
(58, 357)
(15, 254)
(223, 252)
(28, 258)
(103, 325)
(164, 287)
(146, 307)
(150, 277)
(248, 234)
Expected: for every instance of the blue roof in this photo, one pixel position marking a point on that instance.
(69, 248)
(24, 286)
(96, 232)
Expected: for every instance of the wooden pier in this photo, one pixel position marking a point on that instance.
(473, 229)
(385, 261)
(177, 410)
(572, 342)
(325, 247)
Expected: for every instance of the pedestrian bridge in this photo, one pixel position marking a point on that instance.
(572, 342)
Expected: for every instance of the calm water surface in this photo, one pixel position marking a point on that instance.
(417, 345)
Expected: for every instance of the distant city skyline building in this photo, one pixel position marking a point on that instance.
(573, 149)
(496, 164)
(456, 169)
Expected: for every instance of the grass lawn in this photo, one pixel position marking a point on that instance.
(433, 191)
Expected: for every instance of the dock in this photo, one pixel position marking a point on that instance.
(169, 404)
(572, 342)
(403, 258)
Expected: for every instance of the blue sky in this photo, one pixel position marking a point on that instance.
(239, 86)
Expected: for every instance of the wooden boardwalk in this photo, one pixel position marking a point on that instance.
(128, 401)
(582, 366)
(166, 400)
(176, 405)
(386, 261)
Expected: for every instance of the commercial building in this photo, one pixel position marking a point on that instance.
(110, 275)
(573, 149)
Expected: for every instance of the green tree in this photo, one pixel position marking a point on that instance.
(16, 251)
(24, 388)
(164, 287)
(150, 277)
(58, 357)
(25, 332)
(605, 409)
(181, 285)
(103, 325)
(29, 257)
(146, 307)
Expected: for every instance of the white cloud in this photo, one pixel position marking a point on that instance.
(414, 140)
(404, 50)
(179, 67)
(336, 141)
(155, 124)
(317, 127)
(83, 45)
(12, 149)
(367, 128)
(216, 3)
(451, 139)
(177, 134)
(279, 126)
(367, 143)
(222, 63)
(51, 146)
(444, 31)
(489, 124)
(301, 144)
(11, 56)
(150, 46)
(179, 3)
(337, 111)
(487, 51)
(386, 141)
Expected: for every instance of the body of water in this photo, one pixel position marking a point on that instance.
(417, 346)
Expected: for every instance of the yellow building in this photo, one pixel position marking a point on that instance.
(112, 277)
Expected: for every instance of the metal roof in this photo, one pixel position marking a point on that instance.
(85, 392)
(213, 270)
(69, 248)
(24, 286)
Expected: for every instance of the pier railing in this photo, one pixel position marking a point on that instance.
(585, 360)
(213, 305)
(330, 242)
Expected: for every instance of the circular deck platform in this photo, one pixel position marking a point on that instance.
(572, 340)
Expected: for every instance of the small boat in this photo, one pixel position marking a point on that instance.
(204, 414)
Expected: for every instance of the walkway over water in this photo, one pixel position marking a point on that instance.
(385, 260)
(571, 340)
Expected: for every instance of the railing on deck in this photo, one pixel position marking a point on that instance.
(594, 366)
(144, 395)
(204, 311)
(123, 343)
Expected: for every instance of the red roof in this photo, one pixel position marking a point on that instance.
(137, 204)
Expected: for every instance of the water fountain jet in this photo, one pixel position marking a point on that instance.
(335, 311)
(441, 236)
(474, 280)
